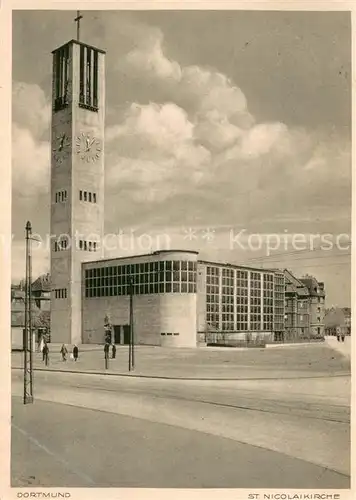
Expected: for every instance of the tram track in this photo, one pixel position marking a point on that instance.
(291, 410)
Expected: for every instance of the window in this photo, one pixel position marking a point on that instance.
(61, 244)
(147, 279)
(61, 196)
(60, 293)
(61, 78)
(94, 197)
(81, 195)
(90, 246)
(88, 95)
(89, 197)
(85, 196)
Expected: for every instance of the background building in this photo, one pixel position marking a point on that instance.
(338, 321)
(297, 312)
(40, 317)
(316, 304)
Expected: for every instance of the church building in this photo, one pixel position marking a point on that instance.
(177, 299)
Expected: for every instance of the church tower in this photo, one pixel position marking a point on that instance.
(77, 180)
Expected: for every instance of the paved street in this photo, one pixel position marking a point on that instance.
(139, 432)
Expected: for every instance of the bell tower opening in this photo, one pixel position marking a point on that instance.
(88, 80)
(61, 78)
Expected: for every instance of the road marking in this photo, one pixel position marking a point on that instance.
(80, 474)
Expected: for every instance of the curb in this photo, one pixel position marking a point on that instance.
(162, 377)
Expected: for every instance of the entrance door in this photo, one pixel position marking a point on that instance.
(117, 335)
(126, 334)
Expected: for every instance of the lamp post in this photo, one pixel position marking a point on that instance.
(131, 340)
(28, 338)
(108, 332)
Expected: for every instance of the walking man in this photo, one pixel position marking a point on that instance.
(75, 352)
(45, 352)
(64, 352)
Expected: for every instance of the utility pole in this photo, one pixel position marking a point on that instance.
(28, 337)
(108, 333)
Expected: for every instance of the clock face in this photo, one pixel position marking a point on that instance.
(88, 147)
(61, 149)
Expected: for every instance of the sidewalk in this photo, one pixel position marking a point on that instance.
(191, 364)
(343, 348)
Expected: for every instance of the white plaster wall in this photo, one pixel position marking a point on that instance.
(153, 314)
(178, 314)
(146, 316)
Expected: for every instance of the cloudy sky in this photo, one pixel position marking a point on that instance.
(216, 123)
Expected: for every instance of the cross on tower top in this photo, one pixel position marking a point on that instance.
(77, 20)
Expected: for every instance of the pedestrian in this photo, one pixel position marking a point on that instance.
(113, 351)
(64, 352)
(75, 352)
(45, 352)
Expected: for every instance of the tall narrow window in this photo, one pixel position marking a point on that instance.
(95, 88)
(88, 78)
(94, 197)
(85, 196)
(89, 194)
(89, 67)
(81, 195)
(61, 78)
(81, 89)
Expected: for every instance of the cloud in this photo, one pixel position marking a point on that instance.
(30, 163)
(193, 87)
(40, 260)
(153, 153)
(187, 146)
(30, 108)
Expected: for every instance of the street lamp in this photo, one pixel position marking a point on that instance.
(27, 339)
(131, 340)
(108, 333)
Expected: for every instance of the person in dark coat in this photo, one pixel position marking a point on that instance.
(45, 352)
(75, 352)
(113, 351)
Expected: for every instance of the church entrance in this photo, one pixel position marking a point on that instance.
(122, 334)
